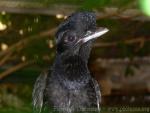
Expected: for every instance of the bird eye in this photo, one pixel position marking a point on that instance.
(70, 39)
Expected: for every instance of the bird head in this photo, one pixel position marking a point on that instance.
(75, 35)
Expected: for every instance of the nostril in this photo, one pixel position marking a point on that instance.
(88, 33)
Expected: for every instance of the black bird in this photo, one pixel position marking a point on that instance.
(69, 87)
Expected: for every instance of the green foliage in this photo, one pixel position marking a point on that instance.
(145, 50)
(126, 51)
(93, 4)
(4, 17)
(129, 71)
(9, 99)
(122, 3)
(51, 2)
(87, 4)
(29, 25)
(144, 6)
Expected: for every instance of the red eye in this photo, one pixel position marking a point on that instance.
(69, 39)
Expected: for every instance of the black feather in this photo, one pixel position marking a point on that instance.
(69, 87)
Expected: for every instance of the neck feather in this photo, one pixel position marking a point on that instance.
(72, 68)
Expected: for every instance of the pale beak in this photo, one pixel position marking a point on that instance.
(93, 35)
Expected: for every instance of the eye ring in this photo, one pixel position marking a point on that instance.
(70, 39)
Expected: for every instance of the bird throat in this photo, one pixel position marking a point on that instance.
(73, 68)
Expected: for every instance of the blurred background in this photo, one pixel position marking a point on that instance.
(120, 60)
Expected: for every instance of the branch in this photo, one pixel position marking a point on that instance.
(14, 68)
(137, 60)
(4, 59)
(28, 7)
(25, 41)
(140, 40)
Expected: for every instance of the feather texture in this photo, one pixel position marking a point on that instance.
(38, 92)
(98, 94)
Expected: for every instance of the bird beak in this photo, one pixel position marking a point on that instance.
(93, 35)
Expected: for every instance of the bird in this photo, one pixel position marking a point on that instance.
(68, 86)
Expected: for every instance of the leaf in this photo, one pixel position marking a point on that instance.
(92, 4)
(129, 71)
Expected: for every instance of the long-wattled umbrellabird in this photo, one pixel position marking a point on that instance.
(69, 87)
